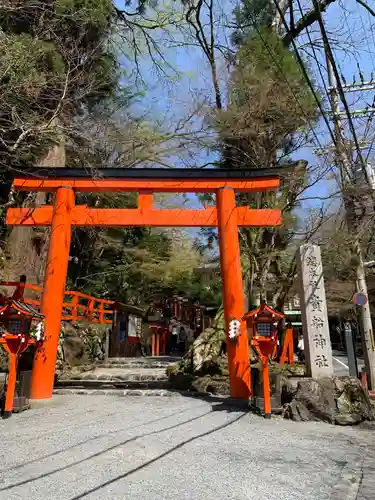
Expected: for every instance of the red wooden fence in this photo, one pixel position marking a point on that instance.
(77, 306)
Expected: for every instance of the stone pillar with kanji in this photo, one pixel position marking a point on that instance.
(317, 342)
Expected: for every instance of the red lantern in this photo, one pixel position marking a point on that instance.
(262, 323)
(16, 335)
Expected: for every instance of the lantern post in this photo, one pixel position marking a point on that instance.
(263, 327)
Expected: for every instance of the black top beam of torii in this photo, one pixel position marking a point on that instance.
(152, 173)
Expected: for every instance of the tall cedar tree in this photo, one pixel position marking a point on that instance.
(56, 64)
(270, 107)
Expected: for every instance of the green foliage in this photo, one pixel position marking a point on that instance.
(136, 266)
(55, 63)
(250, 14)
(28, 68)
(269, 102)
(339, 262)
(60, 85)
(204, 291)
(86, 14)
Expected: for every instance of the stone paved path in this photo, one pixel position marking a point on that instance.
(176, 448)
(367, 486)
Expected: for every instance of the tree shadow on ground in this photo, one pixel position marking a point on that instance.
(95, 438)
(156, 459)
(99, 453)
(219, 403)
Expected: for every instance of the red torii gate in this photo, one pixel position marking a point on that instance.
(65, 213)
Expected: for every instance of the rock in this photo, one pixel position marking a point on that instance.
(172, 369)
(59, 370)
(74, 350)
(68, 330)
(316, 397)
(3, 360)
(207, 354)
(219, 385)
(205, 351)
(337, 400)
(289, 389)
(211, 385)
(207, 384)
(200, 384)
(367, 425)
(348, 419)
(296, 370)
(340, 384)
(343, 404)
(352, 399)
(81, 343)
(296, 411)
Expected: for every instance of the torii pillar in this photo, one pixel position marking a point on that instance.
(233, 296)
(43, 374)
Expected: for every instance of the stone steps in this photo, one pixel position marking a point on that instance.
(113, 383)
(147, 362)
(114, 392)
(145, 359)
(154, 364)
(118, 377)
(119, 374)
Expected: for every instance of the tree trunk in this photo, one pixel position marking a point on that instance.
(27, 247)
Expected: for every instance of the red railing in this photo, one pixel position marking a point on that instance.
(80, 307)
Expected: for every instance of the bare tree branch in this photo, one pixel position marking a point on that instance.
(305, 21)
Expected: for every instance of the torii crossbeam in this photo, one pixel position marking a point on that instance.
(65, 214)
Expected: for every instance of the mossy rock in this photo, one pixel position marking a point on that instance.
(212, 385)
(74, 350)
(172, 369)
(205, 351)
(207, 384)
(181, 381)
(3, 360)
(296, 370)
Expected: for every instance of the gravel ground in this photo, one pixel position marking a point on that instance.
(110, 447)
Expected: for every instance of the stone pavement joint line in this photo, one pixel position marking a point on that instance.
(367, 485)
(350, 480)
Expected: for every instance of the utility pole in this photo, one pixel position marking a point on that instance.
(347, 178)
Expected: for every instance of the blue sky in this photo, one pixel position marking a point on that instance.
(348, 26)
(351, 30)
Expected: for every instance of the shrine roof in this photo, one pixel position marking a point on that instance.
(126, 308)
(21, 307)
(263, 310)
